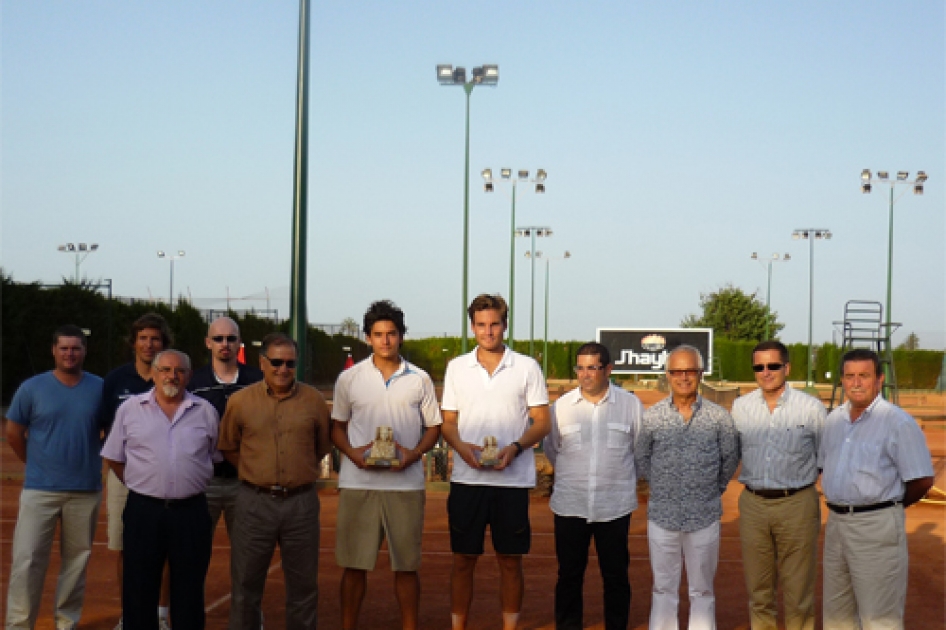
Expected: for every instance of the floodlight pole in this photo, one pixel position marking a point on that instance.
(768, 288)
(485, 75)
(810, 234)
(512, 268)
(464, 326)
(298, 323)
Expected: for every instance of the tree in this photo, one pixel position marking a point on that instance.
(912, 342)
(734, 314)
(349, 327)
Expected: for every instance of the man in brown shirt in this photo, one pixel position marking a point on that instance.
(276, 432)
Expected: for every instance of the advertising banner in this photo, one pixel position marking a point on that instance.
(645, 350)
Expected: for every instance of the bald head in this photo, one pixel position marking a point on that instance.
(223, 340)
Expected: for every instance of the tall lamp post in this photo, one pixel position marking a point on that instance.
(533, 232)
(902, 180)
(506, 174)
(487, 74)
(172, 258)
(545, 350)
(810, 234)
(768, 289)
(81, 251)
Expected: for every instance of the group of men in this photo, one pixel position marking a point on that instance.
(248, 444)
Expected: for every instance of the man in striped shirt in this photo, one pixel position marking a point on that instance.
(779, 510)
(875, 462)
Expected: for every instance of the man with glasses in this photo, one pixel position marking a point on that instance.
(215, 383)
(779, 510)
(150, 334)
(276, 433)
(591, 447)
(162, 446)
(875, 463)
(52, 427)
(491, 392)
(384, 390)
(688, 450)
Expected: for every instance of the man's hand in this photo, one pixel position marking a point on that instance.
(506, 456)
(469, 453)
(407, 457)
(358, 455)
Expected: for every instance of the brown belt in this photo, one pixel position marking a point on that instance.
(777, 494)
(279, 491)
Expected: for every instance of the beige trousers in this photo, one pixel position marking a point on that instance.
(780, 547)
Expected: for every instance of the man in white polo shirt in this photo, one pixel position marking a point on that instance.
(383, 390)
(491, 392)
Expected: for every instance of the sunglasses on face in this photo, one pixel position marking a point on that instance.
(227, 338)
(589, 368)
(278, 363)
(771, 367)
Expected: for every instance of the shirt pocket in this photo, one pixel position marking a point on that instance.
(868, 477)
(571, 437)
(619, 435)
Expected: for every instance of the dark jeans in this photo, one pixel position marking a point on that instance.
(156, 532)
(572, 538)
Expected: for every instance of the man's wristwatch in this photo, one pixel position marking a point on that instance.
(518, 448)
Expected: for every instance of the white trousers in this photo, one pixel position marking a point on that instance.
(40, 511)
(668, 550)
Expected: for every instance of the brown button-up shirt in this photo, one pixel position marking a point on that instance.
(280, 440)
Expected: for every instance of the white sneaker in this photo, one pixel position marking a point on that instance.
(163, 624)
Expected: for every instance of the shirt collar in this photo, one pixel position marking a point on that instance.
(697, 404)
(607, 398)
(507, 360)
(292, 392)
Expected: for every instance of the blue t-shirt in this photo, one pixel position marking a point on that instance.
(62, 447)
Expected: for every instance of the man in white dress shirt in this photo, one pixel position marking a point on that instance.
(592, 448)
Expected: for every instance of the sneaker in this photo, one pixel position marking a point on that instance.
(163, 624)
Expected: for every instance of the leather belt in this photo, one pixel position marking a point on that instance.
(777, 494)
(855, 509)
(280, 492)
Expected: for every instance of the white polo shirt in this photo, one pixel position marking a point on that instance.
(496, 405)
(406, 402)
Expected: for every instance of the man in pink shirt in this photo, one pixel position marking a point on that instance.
(162, 446)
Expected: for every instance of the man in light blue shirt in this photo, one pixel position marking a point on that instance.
(779, 510)
(52, 426)
(875, 463)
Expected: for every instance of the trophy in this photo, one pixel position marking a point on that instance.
(489, 457)
(383, 454)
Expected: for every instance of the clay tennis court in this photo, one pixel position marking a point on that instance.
(926, 608)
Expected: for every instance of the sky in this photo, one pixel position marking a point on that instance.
(678, 138)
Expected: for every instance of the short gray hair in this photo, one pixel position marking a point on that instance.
(687, 348)
(182, 355)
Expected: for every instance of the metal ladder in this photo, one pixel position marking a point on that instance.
(864, 327)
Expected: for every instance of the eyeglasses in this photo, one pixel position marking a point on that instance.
(163, 369)
(227, 338)
(771, 367)
(278, 363)
(687, 372)
(589, 368)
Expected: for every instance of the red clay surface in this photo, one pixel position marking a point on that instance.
(925, 608)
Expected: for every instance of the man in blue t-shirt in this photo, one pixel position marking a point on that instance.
(52, 426)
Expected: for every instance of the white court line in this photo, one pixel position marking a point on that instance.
(226, 597)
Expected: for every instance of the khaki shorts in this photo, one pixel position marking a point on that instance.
(365, 517)
(115, 496)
